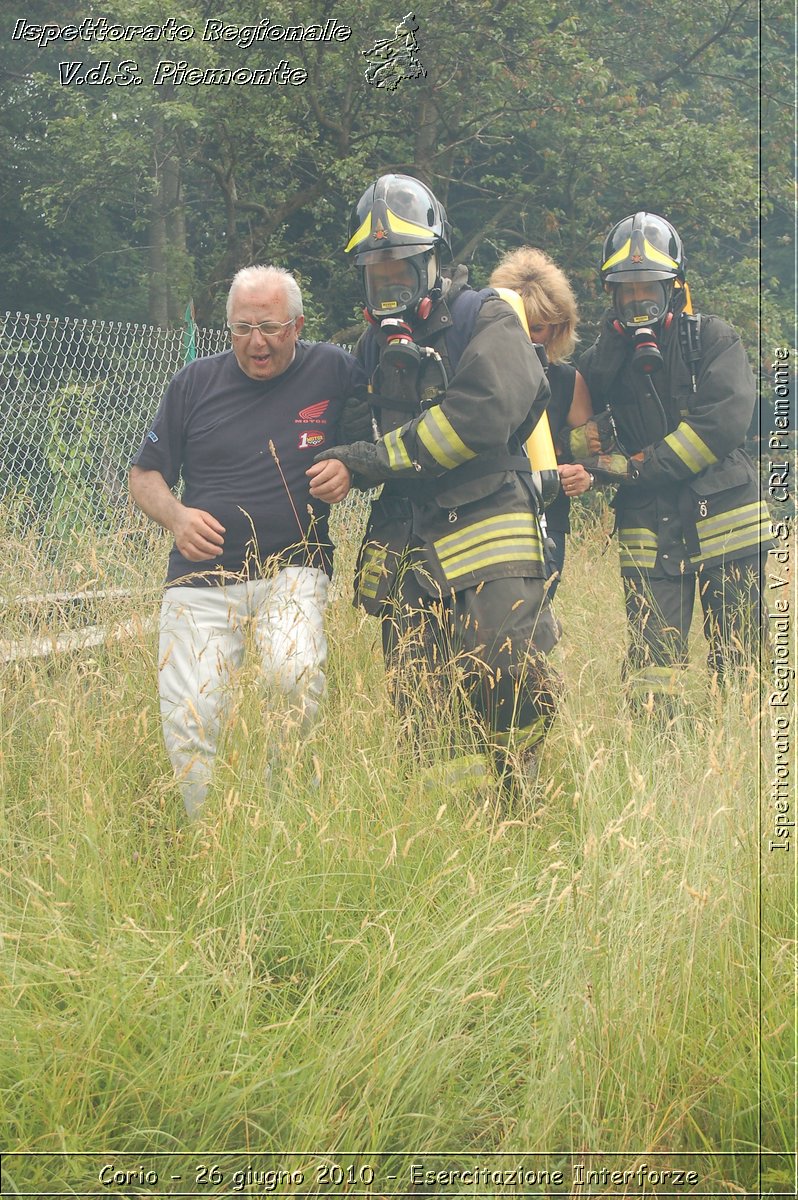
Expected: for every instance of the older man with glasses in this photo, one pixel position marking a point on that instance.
(251, 548)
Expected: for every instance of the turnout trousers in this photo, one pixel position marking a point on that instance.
(659, 612)
(485, 645)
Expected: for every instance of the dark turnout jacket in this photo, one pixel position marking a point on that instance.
(455, 493)
(697, 500)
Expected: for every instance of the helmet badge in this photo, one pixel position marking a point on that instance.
(380, 232)
(637, 258)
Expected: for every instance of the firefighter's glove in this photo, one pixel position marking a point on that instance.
(355, 420)
(362, 459)
(596, 437)
(613, 468)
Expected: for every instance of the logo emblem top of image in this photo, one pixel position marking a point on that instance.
(393, 59)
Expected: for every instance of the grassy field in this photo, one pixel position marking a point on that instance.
(370, 965)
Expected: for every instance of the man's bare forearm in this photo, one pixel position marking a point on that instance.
(153, 495)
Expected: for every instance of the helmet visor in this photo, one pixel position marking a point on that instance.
(392, 285)
(642, 303)
(381, 253)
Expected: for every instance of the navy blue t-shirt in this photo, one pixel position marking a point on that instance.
(242, 447)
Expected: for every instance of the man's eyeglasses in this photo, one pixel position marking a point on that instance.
(267, 328)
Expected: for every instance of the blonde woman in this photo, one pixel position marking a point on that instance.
(552, 316)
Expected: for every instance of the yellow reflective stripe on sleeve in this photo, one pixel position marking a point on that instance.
(362, 233)
(643, 560)
(398, 458)
(688, 446)
(637, 532)
(368, 587)
(438, 435)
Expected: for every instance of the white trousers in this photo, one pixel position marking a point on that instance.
(202, 638)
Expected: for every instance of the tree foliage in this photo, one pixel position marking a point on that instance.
(536, 122)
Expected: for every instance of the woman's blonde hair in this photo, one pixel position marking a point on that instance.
(546, 293)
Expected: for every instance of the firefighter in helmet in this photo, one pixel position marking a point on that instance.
(674, 393)
(452, 560)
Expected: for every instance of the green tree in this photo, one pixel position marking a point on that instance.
(534, 123)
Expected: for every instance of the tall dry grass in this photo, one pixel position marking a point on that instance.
(370, 964)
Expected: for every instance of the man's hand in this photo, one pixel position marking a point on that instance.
(575, 479)
(330, 481)
(361, 458)
(198, 535)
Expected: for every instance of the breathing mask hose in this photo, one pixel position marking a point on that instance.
(647, 361)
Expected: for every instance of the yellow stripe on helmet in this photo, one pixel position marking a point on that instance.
(399, 225)
(618, 256)
(360, 236)
(652, 253)
(657, 256)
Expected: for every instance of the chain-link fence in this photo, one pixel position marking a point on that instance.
(75, 396)
(75, 399)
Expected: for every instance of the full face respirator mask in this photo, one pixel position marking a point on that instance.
(640, 308)
(399, 285)
(397, 291)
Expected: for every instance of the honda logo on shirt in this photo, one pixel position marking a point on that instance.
(313, 414)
